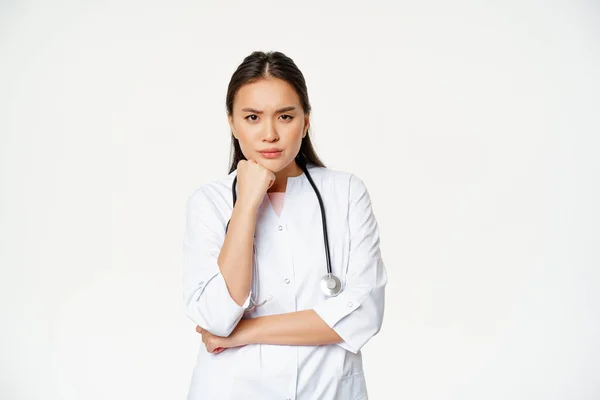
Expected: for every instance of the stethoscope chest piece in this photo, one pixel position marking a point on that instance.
(331, 285)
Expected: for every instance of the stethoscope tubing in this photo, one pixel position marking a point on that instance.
(321, 206)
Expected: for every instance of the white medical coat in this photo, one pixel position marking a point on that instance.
(290, 264)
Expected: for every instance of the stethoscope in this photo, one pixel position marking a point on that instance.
(330, 284)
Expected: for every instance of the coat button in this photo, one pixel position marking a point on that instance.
(350, 304)
(287, 280)
(280, 227)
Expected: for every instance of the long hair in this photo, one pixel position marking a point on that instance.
(259, 65)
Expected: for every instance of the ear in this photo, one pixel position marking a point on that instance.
(306, 125)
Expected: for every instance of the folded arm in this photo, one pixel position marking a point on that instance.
(216, 279)
(295, 328)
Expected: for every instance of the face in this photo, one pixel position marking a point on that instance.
(267, 115)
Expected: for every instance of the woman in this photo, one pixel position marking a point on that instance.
(275, 322)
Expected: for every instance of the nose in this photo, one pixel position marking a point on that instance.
(270, 133)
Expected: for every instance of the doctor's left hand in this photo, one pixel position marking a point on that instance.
(216, 344)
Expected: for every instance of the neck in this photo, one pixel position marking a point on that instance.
(280, 183)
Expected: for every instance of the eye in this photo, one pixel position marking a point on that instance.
(251, 115)
(289, 117)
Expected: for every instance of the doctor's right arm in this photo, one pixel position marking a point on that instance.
(217, 272)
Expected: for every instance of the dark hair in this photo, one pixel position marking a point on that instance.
(260, 65)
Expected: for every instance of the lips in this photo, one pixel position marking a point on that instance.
(271, 153)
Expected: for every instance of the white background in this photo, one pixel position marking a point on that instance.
(475, 126)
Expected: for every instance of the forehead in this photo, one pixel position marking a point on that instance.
(264, 94)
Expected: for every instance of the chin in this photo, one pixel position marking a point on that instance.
(276, 165)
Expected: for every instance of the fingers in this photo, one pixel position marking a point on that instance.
(203, 333)
(206, 339)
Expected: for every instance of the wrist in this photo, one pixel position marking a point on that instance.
(246, 208)
(247, 331)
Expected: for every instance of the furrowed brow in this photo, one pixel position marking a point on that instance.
(284, 109)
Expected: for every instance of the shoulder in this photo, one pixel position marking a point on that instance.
(213, 192)
(329, 175)
(340, 180)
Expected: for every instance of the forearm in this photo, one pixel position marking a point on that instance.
(295, 328)
(235, 257)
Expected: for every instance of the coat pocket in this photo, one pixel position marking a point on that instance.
(352, 387)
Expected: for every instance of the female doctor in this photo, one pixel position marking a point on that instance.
(283, 273)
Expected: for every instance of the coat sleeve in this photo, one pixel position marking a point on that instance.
(356, 314)
(206, 298)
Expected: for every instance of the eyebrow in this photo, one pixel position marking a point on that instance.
(252, 110)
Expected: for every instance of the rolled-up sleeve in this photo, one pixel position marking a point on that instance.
(207, 300)
(356, 314)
